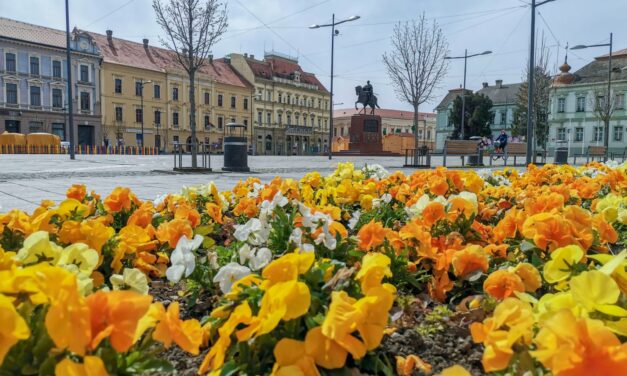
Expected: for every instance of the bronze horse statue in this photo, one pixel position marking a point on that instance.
(362, 97)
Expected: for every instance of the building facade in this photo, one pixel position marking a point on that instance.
(33, 81)
(290, 108)
(573, 120)
(392, 122)
(146, 97)
(503, 98)
(444, 126)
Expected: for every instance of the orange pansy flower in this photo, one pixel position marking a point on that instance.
(171, 232)
(503, 283)
(371, 235)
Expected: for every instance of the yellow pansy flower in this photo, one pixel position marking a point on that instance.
(13, 328)
(38, 248)
(130, 279)
(596, 291)
(91, 366)
(375, 266)
(559, 267)
(79, 254)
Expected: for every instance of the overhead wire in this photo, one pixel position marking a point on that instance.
(108, 14)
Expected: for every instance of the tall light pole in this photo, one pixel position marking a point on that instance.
(465, 57)
(608, 99)
(141, 94)
(333, 34)
(532, 65)
(69, 79)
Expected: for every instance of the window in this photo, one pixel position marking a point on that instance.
(56, 69)
(280, 118)
(139, 115)
(305, 120)
(157, 117)
(598, 134)
(175, 94)
(11, 93)
(280, 98)
(34, 65)
(207, 98)
(233, 120)
(618, 133)
(118, 86)
(619, 101)
(84, 73)
(269, 118)
(35, 96)
(561, 134)
(57, 98)
(156, 91)
(245, 103)
(581, 104)
(233, 99)
(561, 104)
(503, 118)
(220, 100)
(578, 134)
(138, 88)
(175, 119)
(259, 117)
(246, 122)
(10, 62)
(220, 122)
(85, 106)
(118, 113)
(59, 130)
(319, 123)
(207, 124)
(175, 139)
(289, 119)
(35, 126)
(600, 101)
(297, 119)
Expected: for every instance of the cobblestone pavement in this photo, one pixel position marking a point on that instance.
(25, 180)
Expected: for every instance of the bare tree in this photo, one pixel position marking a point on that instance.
(604, 108)
(192, 28)
(416, 62)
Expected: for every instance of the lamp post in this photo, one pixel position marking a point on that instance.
(69, 79)
(141, 95)
(334, 33)
(531, 77)
(465, 57)
(608, 102)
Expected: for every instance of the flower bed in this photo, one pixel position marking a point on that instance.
(444, 271)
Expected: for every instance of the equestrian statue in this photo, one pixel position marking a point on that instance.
(365, 96)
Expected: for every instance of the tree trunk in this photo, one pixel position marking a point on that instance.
(192, 119)
(416, 127)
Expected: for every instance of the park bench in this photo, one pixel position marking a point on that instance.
(592, 152)
(513, 149)
(461, 148)
(622, 156)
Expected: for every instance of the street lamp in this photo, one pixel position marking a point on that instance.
(531, 77)
(465, 57)
(69, 78)
(334, 33)
(141, 94)
(609, 86)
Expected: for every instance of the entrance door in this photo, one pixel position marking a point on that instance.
(12, 126)
(85, 135)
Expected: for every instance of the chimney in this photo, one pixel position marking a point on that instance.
(246, 55)
(110, 35)
(499, 84)
(145, 40)
(485, 84)
(210, 58)
(252, 56)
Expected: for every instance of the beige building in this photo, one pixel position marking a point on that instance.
(146, 94)
(393, 122)
(290, 107)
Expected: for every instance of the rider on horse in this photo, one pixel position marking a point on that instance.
(367, 89)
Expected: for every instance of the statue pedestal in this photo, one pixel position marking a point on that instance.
(365, 134)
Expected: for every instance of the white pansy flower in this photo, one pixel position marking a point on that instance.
(159, 200)
(354, 219)
(416, 209)
(183, 259)
(307, 248)
(261, 258)
(296, 237)
(244, 253)
(375, 170)
(229, 274)
(252, 231)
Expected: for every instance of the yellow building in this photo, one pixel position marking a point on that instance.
(222, 97)
(290, 107)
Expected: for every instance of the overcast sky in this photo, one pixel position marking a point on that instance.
(502, 26)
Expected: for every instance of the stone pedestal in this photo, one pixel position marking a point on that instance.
(365, 134)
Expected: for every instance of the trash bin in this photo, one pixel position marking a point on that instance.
(561, 153)
(235, 148)
(476, 160)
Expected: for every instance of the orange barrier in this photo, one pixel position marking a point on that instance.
(78, 149)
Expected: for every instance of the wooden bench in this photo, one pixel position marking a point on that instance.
(460, 148)
(513, 149)
(592, 152)
(622, 156)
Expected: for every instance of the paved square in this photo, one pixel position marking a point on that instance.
(25, 180)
